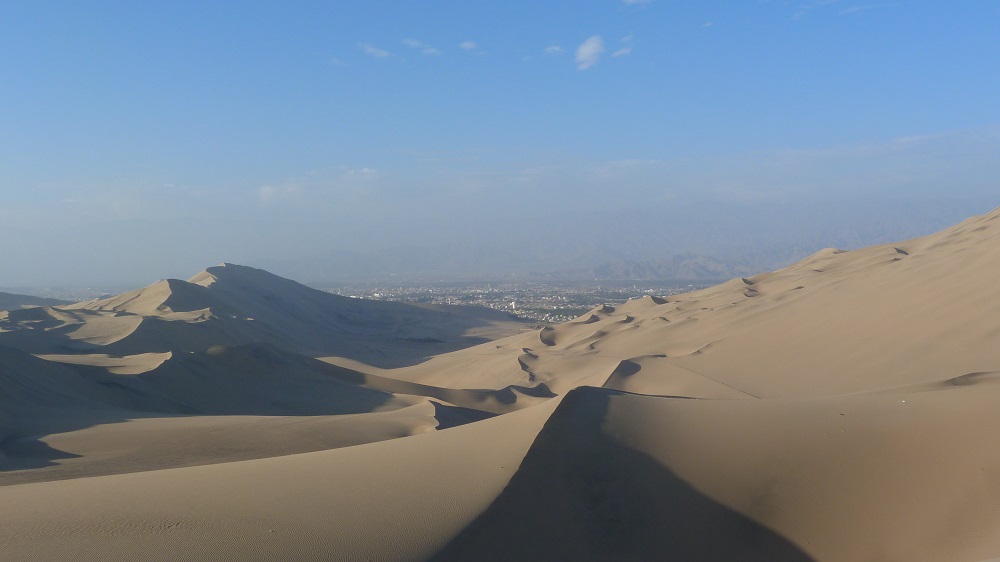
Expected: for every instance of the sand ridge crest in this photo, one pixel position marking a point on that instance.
(840, 408)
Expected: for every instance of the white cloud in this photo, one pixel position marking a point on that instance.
(467, 45)
(589, 52)
(864, 8)
(337, 62)
(627, 49)
(554, 50)
(424, 48)
(373, 51)
(359, 174)
(317, 189)
(270, 194)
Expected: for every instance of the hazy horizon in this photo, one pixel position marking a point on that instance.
(149, 142)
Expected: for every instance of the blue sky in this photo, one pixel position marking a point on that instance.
(144, 140)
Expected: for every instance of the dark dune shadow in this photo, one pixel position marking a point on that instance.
(34, 331)
(254, 379)
(407, 352)
(454, 416)
(627, 368)
(23, 453)
(40, 398)
(580, 495)
(22, 449)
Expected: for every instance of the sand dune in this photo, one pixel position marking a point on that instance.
(394, 500)
(234, 305)
(12, 301)
(842, 408)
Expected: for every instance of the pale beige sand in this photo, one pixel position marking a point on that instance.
(901, 475)
(394, 500)
(119, 365)
(234, 305)
(153, 443)
(843, 408)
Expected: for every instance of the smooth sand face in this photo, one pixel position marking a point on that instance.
(843, 408)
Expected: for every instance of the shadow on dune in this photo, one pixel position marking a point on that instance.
(21, 437)
(496, 401)
(28, 452)
(32, 331)
(581, 495)
(39, 398)
(454, 416)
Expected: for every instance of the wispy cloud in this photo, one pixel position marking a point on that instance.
(272, 194)
(844, 7)
(374, 51)
(359, 174)
(320, 188)
(424, 48)
(864, 8)
(337, 62)
(554, 50)
(589, 52)
(467, 45)
(626, 49)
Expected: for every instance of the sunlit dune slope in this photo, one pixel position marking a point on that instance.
(233, 305)
(842, 408)
(837, 322)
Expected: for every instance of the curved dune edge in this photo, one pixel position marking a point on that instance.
(840, 408)
(397, 500)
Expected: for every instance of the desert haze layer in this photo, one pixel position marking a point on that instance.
(842, 408)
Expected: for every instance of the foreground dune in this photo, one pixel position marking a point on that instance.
(842, 408)
(394, 500)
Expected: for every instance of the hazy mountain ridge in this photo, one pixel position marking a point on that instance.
(683, 267)
(10, 301)
(742, 239)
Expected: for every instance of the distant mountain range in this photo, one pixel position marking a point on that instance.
(683, 267)
(694, 241)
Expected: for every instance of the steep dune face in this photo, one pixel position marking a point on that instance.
(896, 475)
(161, 298)
(585, 493)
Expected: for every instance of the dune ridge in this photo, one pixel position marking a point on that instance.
(841, 408)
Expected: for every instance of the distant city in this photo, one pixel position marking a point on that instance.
(540, 302)
(543, 303)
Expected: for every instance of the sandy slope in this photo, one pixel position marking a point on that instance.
(234, 305)
(394, 500)
(843, 408)
(136, 442)
(845, 404)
